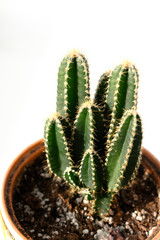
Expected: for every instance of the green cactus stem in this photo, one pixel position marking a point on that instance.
(121, 93)
(101, 91)
(122, 159)
(57, 150)
(135, 156)
(73, 84)
(100, 100)
(119, 151)
(102, 203)
(88, 131)
(91, 170)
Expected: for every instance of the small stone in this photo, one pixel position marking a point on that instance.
(85, 231)
(65, 210)
(143, 211)
(78, 200)
(45, 175)
(100, 223)
(139, 217)
(154, 214)
(99, 231)
(150, 232)
(85, 201)
(59, 201)
(110, 220)
(133, 215)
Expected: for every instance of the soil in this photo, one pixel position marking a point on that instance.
(47, 209)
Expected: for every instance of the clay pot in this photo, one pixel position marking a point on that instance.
(11, 228)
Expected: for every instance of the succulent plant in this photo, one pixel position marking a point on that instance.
(95, 145)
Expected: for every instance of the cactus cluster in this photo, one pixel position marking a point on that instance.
(95, 145)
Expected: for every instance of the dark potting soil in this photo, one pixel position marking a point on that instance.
(46, 208)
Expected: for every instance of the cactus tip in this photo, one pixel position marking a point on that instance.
(53, 116)
(108, 73)
(73, 53)
(127, 63)
(86, 104)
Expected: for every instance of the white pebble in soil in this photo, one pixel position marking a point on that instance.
(101, 235)
(85, 231)
(79, 199)
(36, 192)
(55, 232)
(59, 201)
(45, 175)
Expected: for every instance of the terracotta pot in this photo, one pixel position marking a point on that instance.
(11, 228)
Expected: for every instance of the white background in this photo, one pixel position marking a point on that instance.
(34, 37)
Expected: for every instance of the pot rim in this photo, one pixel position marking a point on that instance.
(30, 153)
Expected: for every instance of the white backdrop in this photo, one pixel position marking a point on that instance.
(34, 37)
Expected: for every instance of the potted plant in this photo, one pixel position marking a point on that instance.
(95, 185)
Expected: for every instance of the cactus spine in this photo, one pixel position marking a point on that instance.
(95, 146)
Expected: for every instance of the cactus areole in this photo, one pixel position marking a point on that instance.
(95, 145)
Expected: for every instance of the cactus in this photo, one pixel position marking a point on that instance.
(95, 145)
